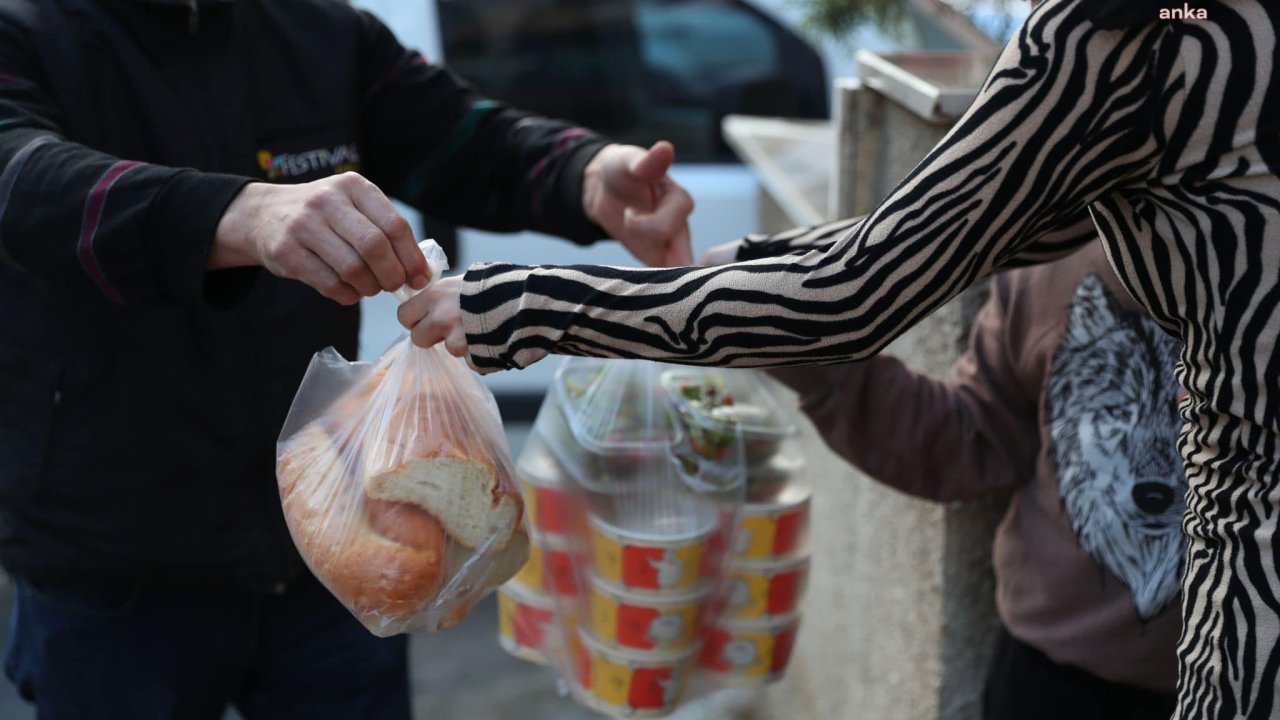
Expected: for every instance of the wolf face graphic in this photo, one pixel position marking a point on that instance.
(1112, 415)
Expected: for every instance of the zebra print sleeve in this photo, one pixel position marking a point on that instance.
(1064, 118)
(802, 239)
(1050, 245)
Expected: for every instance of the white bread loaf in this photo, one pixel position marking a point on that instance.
(433, 462)
(429, 494)
(382, 560)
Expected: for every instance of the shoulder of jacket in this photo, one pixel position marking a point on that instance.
(22, 13)
(25, 24)
(335, 11)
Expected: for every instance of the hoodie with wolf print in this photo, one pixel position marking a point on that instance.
(1066, 397)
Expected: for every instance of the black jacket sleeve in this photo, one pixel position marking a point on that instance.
(91, 222)
(432, 141)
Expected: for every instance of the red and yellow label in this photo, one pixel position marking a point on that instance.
(773, 535)
(523, 626)
(642, 567)
(530, 575)
(631, 624)
(759, 594)
(550, 570)
(551, 510)
(752, 653)
(619, 684)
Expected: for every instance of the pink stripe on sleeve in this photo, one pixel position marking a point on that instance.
(539, 193)
(89, 228)
(9, 82)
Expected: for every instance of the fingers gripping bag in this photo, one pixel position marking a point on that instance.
(397, 484)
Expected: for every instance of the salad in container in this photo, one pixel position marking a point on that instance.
(714, 408)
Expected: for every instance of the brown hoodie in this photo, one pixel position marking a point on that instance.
(1067, 397)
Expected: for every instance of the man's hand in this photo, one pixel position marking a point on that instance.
(435, 315)
(340, 235)
(626, 191)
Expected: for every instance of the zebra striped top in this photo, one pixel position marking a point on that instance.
(1168, 136)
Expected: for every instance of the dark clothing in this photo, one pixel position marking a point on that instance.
(103, 650)
(140, 396)
(1023, 683)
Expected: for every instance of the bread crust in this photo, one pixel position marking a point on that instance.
(383, 560)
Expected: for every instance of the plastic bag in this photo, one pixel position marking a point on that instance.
(669, 520)
(397, 487)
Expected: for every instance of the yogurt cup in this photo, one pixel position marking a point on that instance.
(644, 622)
(668, 557)
(552, 508)
(525, 622)
(629, 684)
(553, 567)
(765, 590)
(774, 529)
(749, 653)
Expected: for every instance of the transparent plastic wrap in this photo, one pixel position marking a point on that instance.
(398, 487)
(653, 579)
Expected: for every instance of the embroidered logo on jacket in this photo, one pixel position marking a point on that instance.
(1112, 414)
(320, 162)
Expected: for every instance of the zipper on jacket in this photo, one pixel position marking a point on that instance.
(193, 17)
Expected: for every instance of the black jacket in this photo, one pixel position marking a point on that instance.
(141, 396)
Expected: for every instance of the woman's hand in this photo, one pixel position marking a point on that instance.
(435, 315)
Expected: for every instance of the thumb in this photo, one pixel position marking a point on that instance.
(653, 165)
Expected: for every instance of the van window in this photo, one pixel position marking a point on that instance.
(636, 70)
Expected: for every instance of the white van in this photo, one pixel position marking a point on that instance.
(638, 71)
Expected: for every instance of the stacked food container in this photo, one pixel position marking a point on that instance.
(527, 607)
(750, 641)
(667, 536)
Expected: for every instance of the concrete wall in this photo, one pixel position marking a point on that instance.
(900, 617)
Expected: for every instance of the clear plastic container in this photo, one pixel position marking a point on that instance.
(716, 407)
(608, 423)
(640, 538)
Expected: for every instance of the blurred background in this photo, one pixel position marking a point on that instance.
(641, 71)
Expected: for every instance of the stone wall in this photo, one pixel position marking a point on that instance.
(900, 616)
